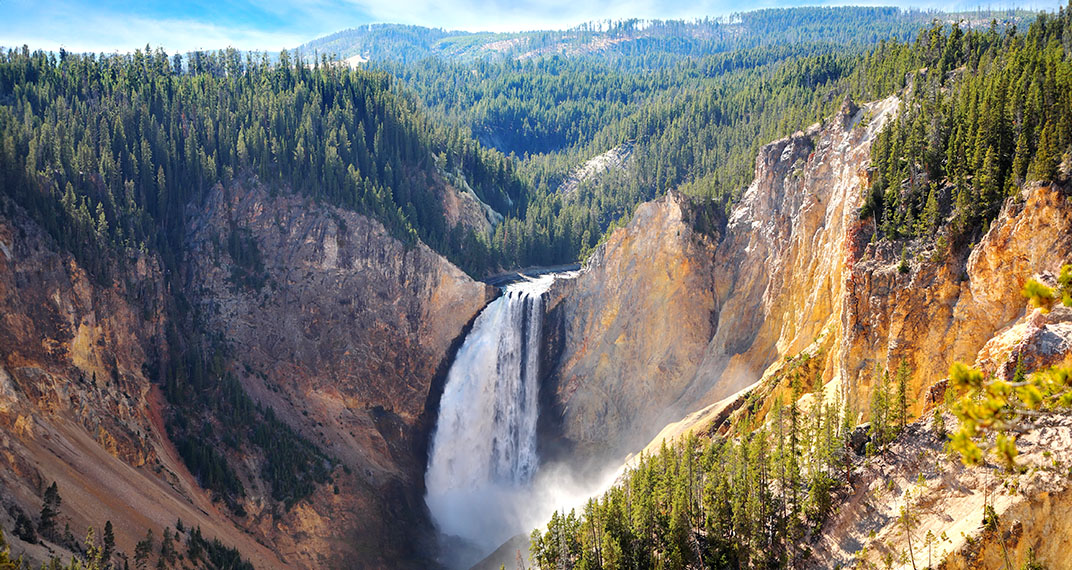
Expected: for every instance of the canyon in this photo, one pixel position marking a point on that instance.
(348, 334)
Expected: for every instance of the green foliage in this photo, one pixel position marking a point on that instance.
(291, 465)
(213, 554)
(1039, 295)
(883, 414)
(690, 123)
(210, 468)
(990, 405)
(50, 509)
(904, 374)
(143, 550)
(6, 562)
(247, 263)
(1042, 297)
(744, 502)
(108, 544)
(939, 423)
(1064, 281)
(108, 151)
(24, 528)
(200, 553)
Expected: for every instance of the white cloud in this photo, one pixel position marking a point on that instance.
(79, 25)
(103, 33)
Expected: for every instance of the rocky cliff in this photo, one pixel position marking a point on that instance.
(346, 333)
(343, 330)
(76, 406)
(665, 319)
(627, 335)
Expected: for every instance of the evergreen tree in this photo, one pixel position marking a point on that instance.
(49, 511)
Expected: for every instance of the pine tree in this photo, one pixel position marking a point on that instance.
(880, 412)
(903, 376)
(143, 550)
(108, 547)
(50, 510)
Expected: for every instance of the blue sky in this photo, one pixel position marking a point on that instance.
(120, 25)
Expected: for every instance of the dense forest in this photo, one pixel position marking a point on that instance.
(695, 126)
(987, 111)
(692, 123)
(108, 151)
(750, 499)
(632, 41)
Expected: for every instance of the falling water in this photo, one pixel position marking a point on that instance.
(483, 455)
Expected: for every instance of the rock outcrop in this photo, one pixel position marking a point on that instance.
(627, 335)
(947, 499)
(707, 312)
(945, 308)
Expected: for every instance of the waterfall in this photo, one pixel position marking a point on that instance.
(483, 456)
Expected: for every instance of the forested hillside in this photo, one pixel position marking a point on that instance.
(194, 189)
(987, 111)
(108, 151)
(693, 111)
(633, 41)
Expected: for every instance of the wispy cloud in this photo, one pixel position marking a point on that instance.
(177, 27)
(123, 34)
(123, 25)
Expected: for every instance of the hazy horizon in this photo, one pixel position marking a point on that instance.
(119, 25)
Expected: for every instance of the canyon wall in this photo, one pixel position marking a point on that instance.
(348, 338)
(665, 319)
(76, 405)
(342, 329)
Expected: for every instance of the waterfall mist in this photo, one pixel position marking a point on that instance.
(484, 480)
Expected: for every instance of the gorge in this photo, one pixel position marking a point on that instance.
(260, 313)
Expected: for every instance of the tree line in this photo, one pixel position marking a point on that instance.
(987, 111)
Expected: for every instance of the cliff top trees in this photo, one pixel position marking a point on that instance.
(984, 114)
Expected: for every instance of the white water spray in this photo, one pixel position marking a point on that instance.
(484, 483)
(483, 453)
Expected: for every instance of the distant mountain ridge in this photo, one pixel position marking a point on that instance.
(847, 26)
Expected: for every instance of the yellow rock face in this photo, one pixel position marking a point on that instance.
(665, 321)
(939, 313)
(634, 326)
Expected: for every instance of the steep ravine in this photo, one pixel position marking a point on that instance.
(76, 406)
(666, 319)
(344, 340)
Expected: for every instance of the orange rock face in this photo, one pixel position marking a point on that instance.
(633, 325)
(347, 337)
